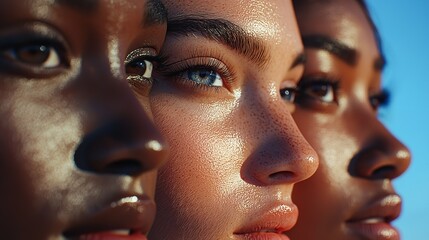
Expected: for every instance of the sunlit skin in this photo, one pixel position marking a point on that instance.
(236, 151)
(350, 196)
(78, 154)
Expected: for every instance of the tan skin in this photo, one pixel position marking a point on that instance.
(78, 153)
(350, 196)
(236, 151)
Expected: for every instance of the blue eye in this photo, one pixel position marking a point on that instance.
(288, 94)
(205, 77)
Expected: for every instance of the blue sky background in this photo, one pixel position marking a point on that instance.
(404, 28)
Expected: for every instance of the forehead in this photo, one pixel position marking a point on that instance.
(272, 20)
(152, 10)
(341, 19)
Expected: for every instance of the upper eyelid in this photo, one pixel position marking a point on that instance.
(148, 53)
(30, 33)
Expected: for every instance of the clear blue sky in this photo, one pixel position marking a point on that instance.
(404, 28)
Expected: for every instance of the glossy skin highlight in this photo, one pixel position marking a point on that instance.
(236, 151)
(78, 153)
(350, 197)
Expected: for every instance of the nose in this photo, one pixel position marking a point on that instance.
(382, 156)
(120, 136)
(283, 156)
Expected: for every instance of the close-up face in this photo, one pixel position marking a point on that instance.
(351, 194)
(222, 98)
(78, 154)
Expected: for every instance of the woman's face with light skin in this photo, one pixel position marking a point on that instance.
(351, 194)
(78, 154)
(236, 151)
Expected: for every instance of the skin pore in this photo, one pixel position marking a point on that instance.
(78, 154)
(222, 100)
(351, 194)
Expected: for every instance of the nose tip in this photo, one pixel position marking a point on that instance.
(286, 160)
(386, 158)
(117, 149)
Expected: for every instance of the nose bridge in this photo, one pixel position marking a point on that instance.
(282, 154)
(381, 154)
(120, 136)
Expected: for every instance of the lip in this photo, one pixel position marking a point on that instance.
(373, 221)
(270, 224)
(128, 218)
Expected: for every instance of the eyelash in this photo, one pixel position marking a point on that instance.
(328, 84)
(10, 55)
(383, 98)
(376, 100)
(195, 63)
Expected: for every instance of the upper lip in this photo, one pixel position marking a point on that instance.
(387, 208)
(277, 219)
(130, 212)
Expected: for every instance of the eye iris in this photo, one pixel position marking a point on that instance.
(33, 54)
(203, 76)
(137, 68)
(320, 90)
(288, 94)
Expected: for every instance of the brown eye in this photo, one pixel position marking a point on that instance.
(139, 67)
(380, 99)
(321, 90)
(36, 55)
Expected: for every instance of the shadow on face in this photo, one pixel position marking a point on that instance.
(78, 153)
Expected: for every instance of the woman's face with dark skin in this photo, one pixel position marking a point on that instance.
(351, 194)
(78, 153)
(236, 151)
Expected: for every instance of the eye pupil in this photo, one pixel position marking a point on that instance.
(320, 90)
(33, 54)
(203, 76)
(288, 94)
(136, 67)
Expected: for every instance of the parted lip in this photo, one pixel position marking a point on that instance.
(387, 208)
(278, 219)
(131, 212)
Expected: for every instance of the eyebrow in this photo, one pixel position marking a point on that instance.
(339, 49)
(155, 13)
(223, 32)
(333, 46)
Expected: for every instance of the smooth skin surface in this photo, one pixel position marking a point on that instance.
(351, 194)
(78, 152)
(236, 151)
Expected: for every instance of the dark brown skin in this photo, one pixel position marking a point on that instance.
(74, 139)
(351, 195)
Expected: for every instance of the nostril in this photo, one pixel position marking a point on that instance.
(282, 176)
(130, 167)
(384, 172)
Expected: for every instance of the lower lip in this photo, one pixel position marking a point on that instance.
(263, 236)
(111, 236)
(375, 231)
